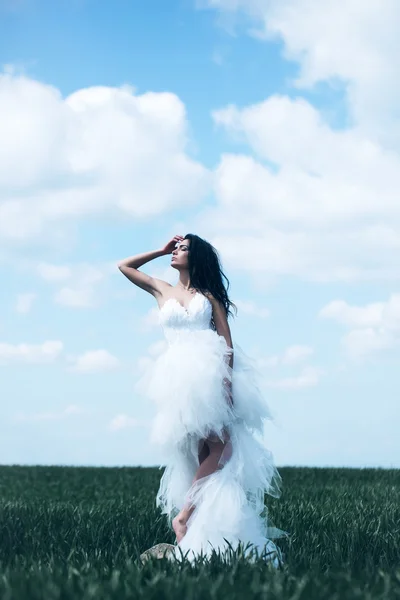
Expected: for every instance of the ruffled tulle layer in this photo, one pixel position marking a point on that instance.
(230, 503)
(185, 382)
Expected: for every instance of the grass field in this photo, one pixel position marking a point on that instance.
(76, 532)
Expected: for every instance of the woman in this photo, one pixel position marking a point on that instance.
(210, 414)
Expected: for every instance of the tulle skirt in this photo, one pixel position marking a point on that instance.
(185, 380)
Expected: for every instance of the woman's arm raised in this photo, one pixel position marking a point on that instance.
(130, 268)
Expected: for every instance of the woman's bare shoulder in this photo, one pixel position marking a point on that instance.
(215, 303)
(164, 290)
(209, 295)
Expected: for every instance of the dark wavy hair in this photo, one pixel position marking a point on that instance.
(205, 272)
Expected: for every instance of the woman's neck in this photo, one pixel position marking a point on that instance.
(184, 280)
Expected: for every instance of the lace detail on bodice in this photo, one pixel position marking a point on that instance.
(175, 318)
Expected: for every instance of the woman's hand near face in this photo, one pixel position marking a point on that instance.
(171, 245)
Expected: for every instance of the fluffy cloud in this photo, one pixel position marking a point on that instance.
(372, 328)
(54, 273)
(44, 353)
(297, 354)
(315, 203)
(292, 355)
(24, 302)
(250, 308)
(69, 411)
(80, 283)
(123, 421)
(100, 150)
(309, 377)
(93, 361)
(150, 320)
(356, 44)
(310, 200)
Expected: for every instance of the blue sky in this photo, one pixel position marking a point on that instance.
(128, 122)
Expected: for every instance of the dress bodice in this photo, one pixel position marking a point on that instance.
(175, 318)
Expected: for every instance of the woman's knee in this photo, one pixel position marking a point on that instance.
(215, 439)
(218, 446)
(219, 451)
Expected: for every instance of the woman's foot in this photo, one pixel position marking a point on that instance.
(179, 526)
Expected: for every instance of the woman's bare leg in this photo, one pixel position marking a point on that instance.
(209, 463)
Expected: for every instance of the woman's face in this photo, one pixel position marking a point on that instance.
(180, 256)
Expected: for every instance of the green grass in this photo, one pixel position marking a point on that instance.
(77, 532)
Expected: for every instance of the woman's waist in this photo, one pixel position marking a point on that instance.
(192, 335)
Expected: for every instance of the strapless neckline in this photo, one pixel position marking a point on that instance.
(186, 309)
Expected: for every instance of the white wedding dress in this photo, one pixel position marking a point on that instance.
(185, 380)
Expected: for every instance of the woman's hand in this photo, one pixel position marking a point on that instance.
(170, 247)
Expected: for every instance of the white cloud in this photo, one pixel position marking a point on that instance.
(328, 209)
(250, 308)
(81, 281)
(55, 273)
(76, 298)
(46, 352)
(309, 377)
(295, 354)
(356, 44)
(24, 302)
(150, 320)
(100, 150)
(355, 316)
(362, 343)
(311, 200)
(292, 355)
(123, 421)
(314, 147)
(93, 361)
(268, 361)
(373, 328)
(72, 409)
